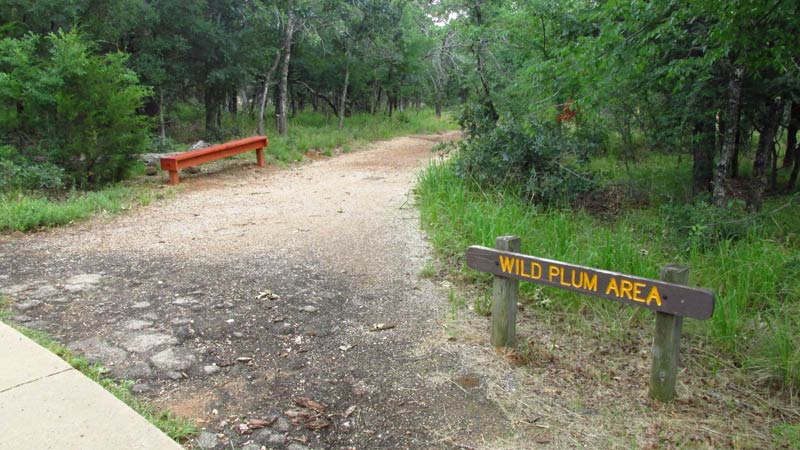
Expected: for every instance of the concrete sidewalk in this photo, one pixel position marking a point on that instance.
(46, 404)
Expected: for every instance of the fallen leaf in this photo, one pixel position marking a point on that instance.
(317, 424)
(349, 411)
(310, 404)
(299, 415)
(255, 424)
(242, 428)
(345, 348)
(244, 359)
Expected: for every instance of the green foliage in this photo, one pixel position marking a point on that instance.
(531, 158)
(19, 173)
(751, 266)
(71, 108)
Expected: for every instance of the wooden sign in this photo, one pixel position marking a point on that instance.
(657, 295)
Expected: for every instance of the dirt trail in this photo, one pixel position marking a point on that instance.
(253, 289)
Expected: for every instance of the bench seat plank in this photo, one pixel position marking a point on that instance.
(195, 157)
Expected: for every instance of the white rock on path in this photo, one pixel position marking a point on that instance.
(173, 359)
(141, 343)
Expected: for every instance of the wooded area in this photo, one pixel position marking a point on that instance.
(545, 79)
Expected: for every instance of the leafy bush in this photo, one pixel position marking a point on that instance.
(533, 157)
(19, 173)
(70, 107)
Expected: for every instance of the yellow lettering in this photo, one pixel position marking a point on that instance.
(612, 286)
(590, 284)
(654, 295)
(506, 264)
(518, 262)
(572, 280)
(625, 289)
(552, 271)
(536, 270)
(637, 291)
(563, 278)
(526, 275)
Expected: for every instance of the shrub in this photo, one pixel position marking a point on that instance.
(533, 158)
(70, 107)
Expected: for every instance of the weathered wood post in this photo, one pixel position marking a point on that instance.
(504, 299)
(667, 342)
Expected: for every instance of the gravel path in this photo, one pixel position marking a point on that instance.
(279, 308)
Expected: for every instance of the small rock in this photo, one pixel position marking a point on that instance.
(277, 439)
(211, 369)
(251, 446)
(14, 289)
(59, 300)
(181, 321)
(136, 324)
(296, 446)
(38, 324)
(183, 301)
(309, 308)
(141, 343)
(184, 333)
(200, 144)
(22, 318)
(140, 305)
(42, 292)
(30, 304)
(207, 440)
(97, 350)
(140, 388)
(238, 334)
(242, 428)
(328, 295)
(174, 375)
(262, 436)
(173, 359)
(87, 278)
(137, 371)
(282, 424)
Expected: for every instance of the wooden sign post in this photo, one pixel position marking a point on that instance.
(669, 297)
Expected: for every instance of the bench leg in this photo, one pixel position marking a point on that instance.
(173, 177)
(260, 157)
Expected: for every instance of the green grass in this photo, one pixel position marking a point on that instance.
(752, 268)
(179, 429)
(28, 211)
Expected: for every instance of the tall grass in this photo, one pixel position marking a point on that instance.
(754, 275)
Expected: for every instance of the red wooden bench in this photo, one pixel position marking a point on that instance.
(192, 158)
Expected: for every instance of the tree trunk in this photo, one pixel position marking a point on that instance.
(791, 134)
(344, 93)
(211, 102)
(703, 154)
(161, 120)
(766, 142)
(265, 92)
(281, 107)
(720, 191)
(793, 177)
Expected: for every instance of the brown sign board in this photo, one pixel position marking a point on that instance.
(632, 290)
